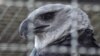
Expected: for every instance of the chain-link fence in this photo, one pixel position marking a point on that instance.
(11, 15)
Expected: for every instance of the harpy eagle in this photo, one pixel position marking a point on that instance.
(52, 25)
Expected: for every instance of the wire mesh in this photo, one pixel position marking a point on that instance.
(11, 44)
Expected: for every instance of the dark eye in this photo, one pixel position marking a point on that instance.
(47, 16)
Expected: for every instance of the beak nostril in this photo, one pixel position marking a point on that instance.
(41, 27)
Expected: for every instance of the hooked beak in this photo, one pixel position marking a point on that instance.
(23, 29)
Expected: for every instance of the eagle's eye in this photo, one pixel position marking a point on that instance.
(49, 16)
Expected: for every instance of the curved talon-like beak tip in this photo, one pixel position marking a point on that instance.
(23, 29)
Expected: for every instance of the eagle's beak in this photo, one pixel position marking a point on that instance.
(23, 29)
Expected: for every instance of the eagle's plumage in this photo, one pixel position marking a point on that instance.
(51, 25)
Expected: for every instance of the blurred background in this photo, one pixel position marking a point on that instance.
(12, 12)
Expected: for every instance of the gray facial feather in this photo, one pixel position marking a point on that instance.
(63, 19)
